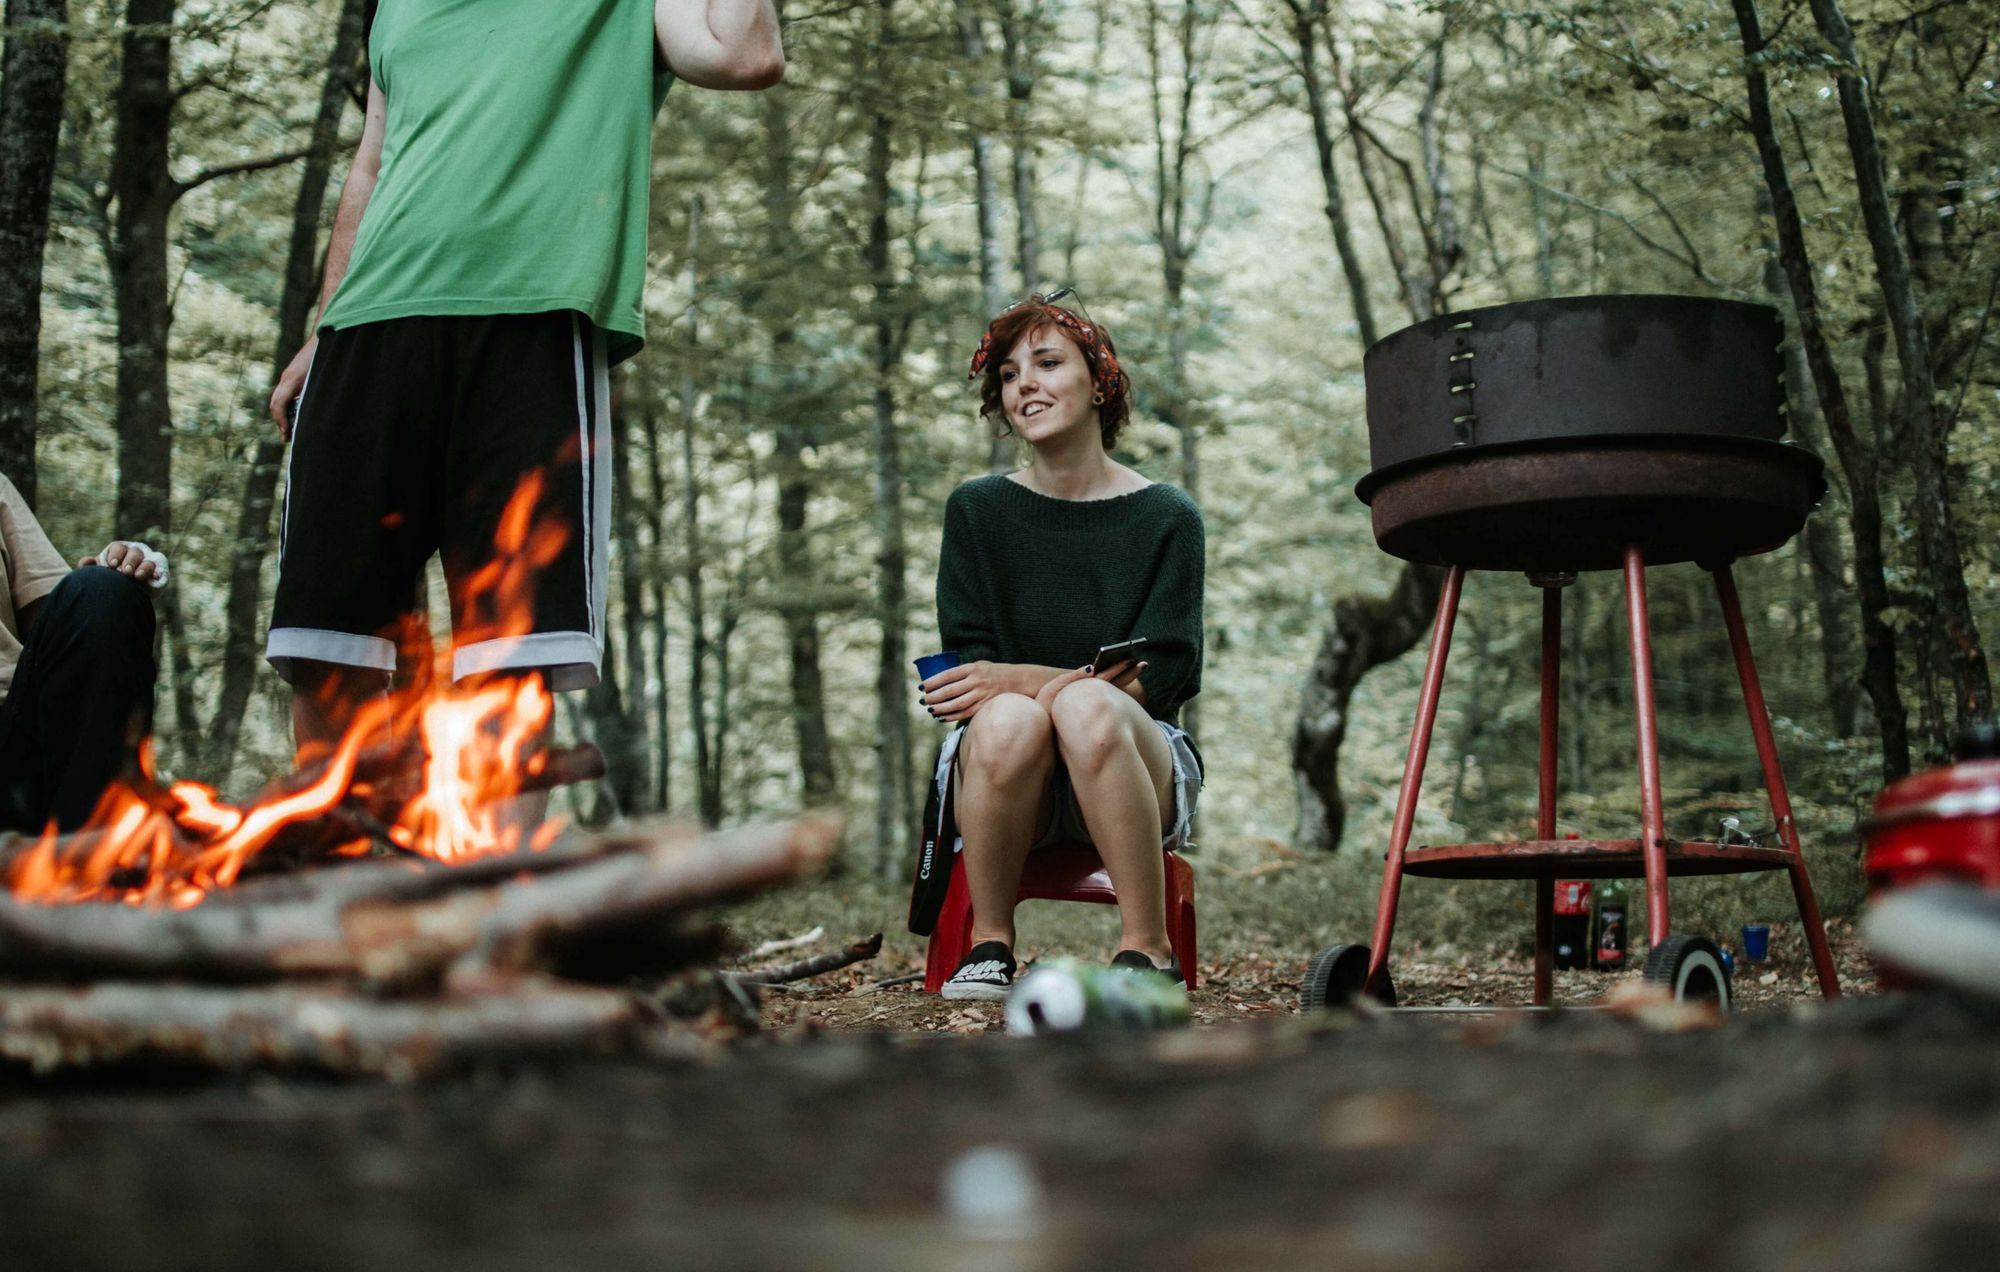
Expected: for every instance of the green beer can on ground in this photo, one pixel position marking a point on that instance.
(1067, 995)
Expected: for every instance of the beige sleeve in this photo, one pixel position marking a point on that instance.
(34, 567)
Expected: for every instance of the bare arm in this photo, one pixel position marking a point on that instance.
(720, 43)
(354, 194)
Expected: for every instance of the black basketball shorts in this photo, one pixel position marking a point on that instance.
(483, 439)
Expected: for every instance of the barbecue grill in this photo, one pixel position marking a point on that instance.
(1555, 437)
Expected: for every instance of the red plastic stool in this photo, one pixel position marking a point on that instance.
(1061, 872)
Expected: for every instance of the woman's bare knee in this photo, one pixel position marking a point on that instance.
(1010, 737)
(1093, 723)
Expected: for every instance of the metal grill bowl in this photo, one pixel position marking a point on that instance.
(1548, 435)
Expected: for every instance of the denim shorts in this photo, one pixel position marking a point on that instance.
(1066, 822)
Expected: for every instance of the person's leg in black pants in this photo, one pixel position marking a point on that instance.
(81, 701)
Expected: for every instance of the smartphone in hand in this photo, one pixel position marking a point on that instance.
(1111, 657)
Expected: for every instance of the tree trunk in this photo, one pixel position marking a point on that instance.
(1305, 19)
(1365, 633)
(244, 609)
(616, 715)
(1368, 631)
(1446, 246)
(1825, 554)
(796, 607)
(894, 787)
(725, 635)
(31, 100)
(1073, 231)
(145, 195)
(629, 776)
(1017, 34)
(1174, 146)
(656, 591)
(791, 437)
(986, 187)
(1878, 667)
(707, 766)
(1364, 162)
(1937, 535)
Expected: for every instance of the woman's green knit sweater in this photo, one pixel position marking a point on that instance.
(1025, 578)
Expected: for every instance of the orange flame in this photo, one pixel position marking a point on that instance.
(145, 846)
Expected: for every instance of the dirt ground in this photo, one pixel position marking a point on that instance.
(1861, 1136)
(1254, 986)
(878, 1128)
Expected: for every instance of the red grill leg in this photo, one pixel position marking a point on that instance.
(1774, 781)
(1413, 775)
(1545, 807)
(1654, 846)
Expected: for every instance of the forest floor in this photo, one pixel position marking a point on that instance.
(872, 1129)
(1460, 945)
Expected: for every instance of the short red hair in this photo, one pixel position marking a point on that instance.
(1112, 388)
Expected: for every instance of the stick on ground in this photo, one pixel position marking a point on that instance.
(817, 965)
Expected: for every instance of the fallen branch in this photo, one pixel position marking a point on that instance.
(818, 965)
(769, 948)
(876, 987)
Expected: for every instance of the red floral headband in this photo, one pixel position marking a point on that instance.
(1108, 371)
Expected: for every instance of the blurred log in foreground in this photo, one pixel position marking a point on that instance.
(316, 1027)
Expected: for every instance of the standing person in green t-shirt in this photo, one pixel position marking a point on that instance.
(486, 271)
(1038, 570)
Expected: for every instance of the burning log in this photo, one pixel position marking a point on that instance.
(379, 770)
(320, 1027)
(393, 923)
(817, 965)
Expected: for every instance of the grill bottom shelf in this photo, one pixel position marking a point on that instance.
(1587, 859)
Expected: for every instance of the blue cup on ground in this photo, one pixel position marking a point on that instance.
(1756, 941)
(931, 664)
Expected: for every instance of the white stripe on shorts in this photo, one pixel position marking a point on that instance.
(285, 518)
(600, 486)
(593, 428)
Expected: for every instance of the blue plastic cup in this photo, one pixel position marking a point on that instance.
(1756, 941)
(931, 664)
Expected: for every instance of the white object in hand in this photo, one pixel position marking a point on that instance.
(158, 560)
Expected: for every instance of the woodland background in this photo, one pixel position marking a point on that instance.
(1247, 194)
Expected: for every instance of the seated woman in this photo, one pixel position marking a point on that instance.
(1039, 569)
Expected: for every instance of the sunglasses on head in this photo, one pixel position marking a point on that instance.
(1083, 328)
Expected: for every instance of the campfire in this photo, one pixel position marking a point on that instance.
(427, 771)
(383, 908)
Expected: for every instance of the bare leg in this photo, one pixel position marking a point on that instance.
(325, 701)
(1123, 775)
(1004, 764)
(523, 814)
(325, 698)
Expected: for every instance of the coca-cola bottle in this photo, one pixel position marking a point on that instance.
(1610, 952)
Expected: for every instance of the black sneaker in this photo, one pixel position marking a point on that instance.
(1138, 961)
(987, 972)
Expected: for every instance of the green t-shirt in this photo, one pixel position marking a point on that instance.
(516, 163)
